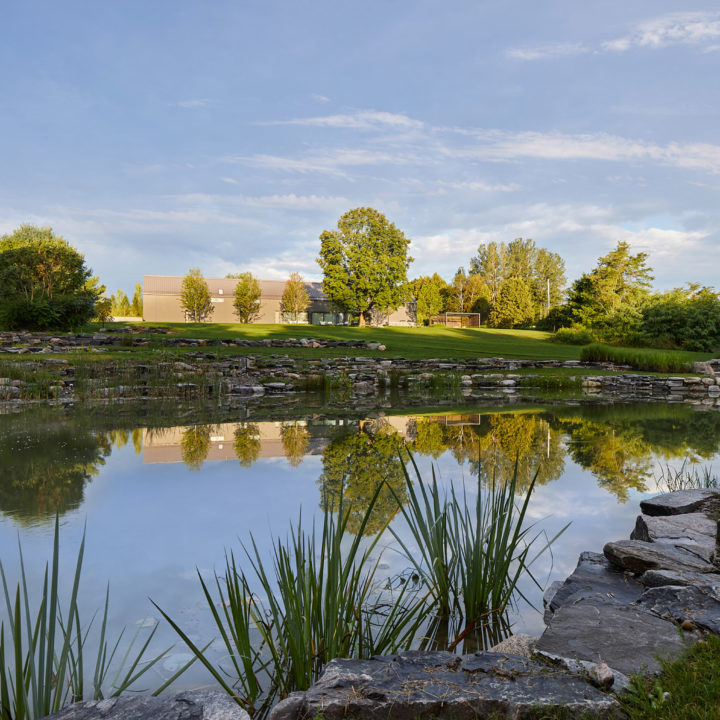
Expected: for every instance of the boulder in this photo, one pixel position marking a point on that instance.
(699, 604)
(677, 503)
(626, 638)
(594, 581)
(198, 704)
(441, 685)
(637, 557)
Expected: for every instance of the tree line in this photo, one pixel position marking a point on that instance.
(45, 284)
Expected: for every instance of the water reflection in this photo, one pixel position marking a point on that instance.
(47, 464)
(356, 465)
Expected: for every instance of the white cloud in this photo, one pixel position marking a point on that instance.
(498, 145)
(331, 161)
(320, 98)
(194, 103)
(680, 28)
(550, 50)
(229, 180)
(362, 120)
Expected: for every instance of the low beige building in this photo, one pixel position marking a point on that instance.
(161, 303)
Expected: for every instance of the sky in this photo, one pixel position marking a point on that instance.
(228, 134)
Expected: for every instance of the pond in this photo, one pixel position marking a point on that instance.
(162, 491)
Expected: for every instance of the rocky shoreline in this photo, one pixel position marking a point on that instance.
(647, 597)
(206, 374)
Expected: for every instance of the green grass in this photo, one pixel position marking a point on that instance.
(640, 358)
(408, 342)
(687, 689)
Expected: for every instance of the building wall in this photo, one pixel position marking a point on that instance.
(161, 302)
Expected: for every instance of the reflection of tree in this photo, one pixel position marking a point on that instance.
(429, 438)
(195, 445)
(295, 441)
(355, 465)
(525, 439)
(492, 445)
(617, 456)
(44, 471)
(247, 443)
(137, 439)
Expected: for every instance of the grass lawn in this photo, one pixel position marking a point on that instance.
(407, 342)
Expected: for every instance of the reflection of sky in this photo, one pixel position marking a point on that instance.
(150, 525)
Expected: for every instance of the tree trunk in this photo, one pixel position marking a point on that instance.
(361, 323)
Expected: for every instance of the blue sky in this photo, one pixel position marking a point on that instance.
(227, 135)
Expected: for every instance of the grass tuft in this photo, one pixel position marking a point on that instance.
(640, 359)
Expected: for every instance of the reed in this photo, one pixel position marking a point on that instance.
(471, 558)
(45, 648)
(318, 599)
(672, 479)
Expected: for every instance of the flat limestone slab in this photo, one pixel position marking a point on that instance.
(676, 503)
(688, 528)
(638, 556)
(440, 685)
(625, 638)
(700, 605)
(595, 581)
(658, 578)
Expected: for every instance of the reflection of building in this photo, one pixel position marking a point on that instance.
(161, 302)
(164, 445)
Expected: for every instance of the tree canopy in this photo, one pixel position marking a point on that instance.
(295, 297)
(195, 297)
(365, 263)
(246, 299)
(44, 282)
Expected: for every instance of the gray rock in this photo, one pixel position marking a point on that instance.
(520, 644)
(443, 686)
(594, 581)
(658, 578)
(601, 675)
(696, 603)
(625, 638)
(291, 708)
(195, 705)
(676, 503)
(688, 528)
(637, 556)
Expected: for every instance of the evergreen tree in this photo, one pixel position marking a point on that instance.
(195, 296)
(514, 306)
(429, 297)
(136, 307)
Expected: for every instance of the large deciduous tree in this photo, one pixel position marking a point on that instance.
(246, 299)
(365, 262)
(44, 282)
(541, 270)
(295, 297)
(195, 297)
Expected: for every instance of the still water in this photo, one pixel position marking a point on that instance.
(161, 493)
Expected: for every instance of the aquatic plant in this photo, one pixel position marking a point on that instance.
(671, 479)
(471, 559)
(44, 649)
(318, 599)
